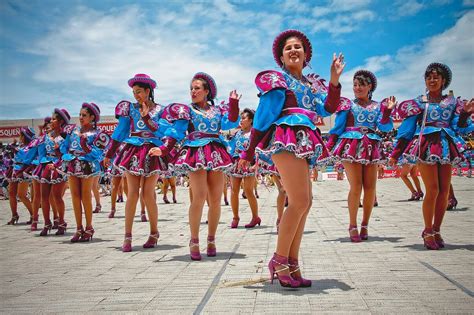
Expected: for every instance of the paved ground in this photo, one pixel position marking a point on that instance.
(390, 273)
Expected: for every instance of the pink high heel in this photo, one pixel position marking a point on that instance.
(143, 217)
(46, 229)
(30, 220)
(419, 195)
(429, 240)
(14, 219)
(235, 223)
(97, 209)
(195, 255)
(87, 235)
(112, 213)
(364, 232)
(413, 197)
(174, 200)
(355, 238)
(34, 224)
(127, 243)
(211, 250)
(77, 236)
(55, 223)
(438, 239)
(253, 223)
(285, 280)
(61, 228)
(294, 268)
(152, 240)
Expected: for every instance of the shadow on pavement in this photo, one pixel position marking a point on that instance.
(318, 287)
(94, 240)
(220, 256)
(458, 209)
(421, 247)
(371, 239)
(275, 233)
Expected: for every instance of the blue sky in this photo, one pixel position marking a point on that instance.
(62, 53)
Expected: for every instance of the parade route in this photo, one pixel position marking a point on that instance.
(389, 273)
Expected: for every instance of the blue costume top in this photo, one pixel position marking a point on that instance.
(88, 146)
(204, 126)
(48, 149)
(239, 143)
(370, 117)
(25, 156)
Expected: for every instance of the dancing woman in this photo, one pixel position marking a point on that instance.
(204, 156)
(284, 127)
(149, 131)
(83, 150)
(238, 144)
(427, 136)
(19, 174)
(355, 143)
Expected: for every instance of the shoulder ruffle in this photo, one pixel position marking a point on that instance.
(270, 79)
(176, 111)
(344, 104)
(122, 109)
(317, 82)
(408, 108)
(67, 129)
(101, 140)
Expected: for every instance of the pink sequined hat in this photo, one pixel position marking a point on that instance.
(142, 78)
(94, 108)
(28, 133)
(279, 42)
(63, 114)
(212, 84)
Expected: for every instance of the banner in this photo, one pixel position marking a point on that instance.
(10, 132)
(319, 121)
(108, 128)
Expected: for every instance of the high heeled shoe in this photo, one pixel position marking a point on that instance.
(174, 200)
(285, 280)
(295, 273)
(438, 239)
(364, 232)
(30, 220)
(419, 195)
(143, 217)
(235, 223)
(120, 199)
(152, 240)
(211, 246)
(77, 236)
(61, 229)
(195, 255)
(97, 209)
(112, 213)
(452, 203)
(34, 224)
(55, 223)
(429, 240)
(127, 243)
(413, 197)
(87, 235)
(226, 202)
(46, 229)
(244, 196)
(253, 223)
(256, 195)
(165, 199)
(354, 234)
(14, 219)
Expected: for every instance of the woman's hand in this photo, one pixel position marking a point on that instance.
(392, 102)
(469, 106)
(233, 94)
(155, 151)
(337, 67)
(144, 109)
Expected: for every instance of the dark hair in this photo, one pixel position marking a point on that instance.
(439, 70)
(146, 86)
(250, 113)
(60, 117)
(205, 85)
(364, 80)
(90, 113)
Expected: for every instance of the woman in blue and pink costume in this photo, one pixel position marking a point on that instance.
(19, 174)
(47, 175)
(149, 132)
(83, 150)
(284, 127)
(354, 142)
(427, 136)
(204, 156)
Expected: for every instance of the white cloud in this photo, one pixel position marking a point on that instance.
(468, 3)
(408, 7)
(402, 74)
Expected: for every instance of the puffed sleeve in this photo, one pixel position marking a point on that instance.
(230, 114)
(405, 133)
(174, 121)
(97, 146)
(384, 121)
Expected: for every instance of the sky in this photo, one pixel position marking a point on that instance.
(64, 53)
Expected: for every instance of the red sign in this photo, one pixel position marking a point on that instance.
(108, 128)
(10, 132)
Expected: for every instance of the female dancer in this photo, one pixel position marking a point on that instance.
(238, 144)
(149, 132)
(51, 181)
(19, 174)
(83, 150)
(284, 126)
(354, 141)
(427, 136)
(204, 156)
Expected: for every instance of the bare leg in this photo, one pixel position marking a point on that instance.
(75, 187)
(414, 177)
(249, 184)
(369, 182)
(354, 175)
(198, 184)
(132, 199)
(22, 194)
(429, 175)
(444, 179)
(86, 198)
(215, 181)
(149, 198)
(234, 197)
(404, 176)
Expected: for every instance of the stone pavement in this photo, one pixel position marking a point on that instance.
(389, 273)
